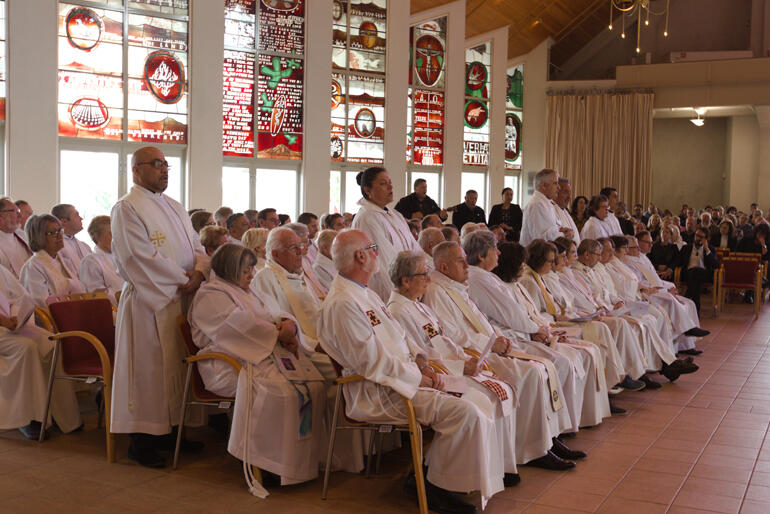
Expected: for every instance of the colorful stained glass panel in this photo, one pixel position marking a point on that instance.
(279, 107)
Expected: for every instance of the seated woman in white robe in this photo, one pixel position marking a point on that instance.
(427, 342)
(278, 386)
(25, 359)
(97, 269)
(583, 383)
(47, 272)
(598, 211)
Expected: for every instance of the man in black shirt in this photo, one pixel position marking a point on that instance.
(468, 211)
(419, 204)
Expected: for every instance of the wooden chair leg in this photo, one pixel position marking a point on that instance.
(415, 438)
(257, 474)
(332, 436)
(51, 378)
(107, 402)
(182, 413)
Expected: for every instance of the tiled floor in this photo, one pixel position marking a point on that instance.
(693, 446)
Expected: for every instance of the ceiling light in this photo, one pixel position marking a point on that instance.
(700, 111)
(635, 9)
(698, 122)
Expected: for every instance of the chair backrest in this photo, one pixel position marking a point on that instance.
(199, 391)
(93, 316)
(740, 269)
(186, 332)
(721, 253)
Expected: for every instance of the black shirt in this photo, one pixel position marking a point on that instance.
(464, 214)
(511, 216)
(410, 204)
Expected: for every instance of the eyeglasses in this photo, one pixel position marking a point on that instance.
(17, 211)
(598, 254)
(295, 247)
(633, 247)
(372, 246)
(55, 232)
(156, 163)
(420, 274)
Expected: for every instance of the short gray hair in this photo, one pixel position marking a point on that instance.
(429, 238)
(468, 228)
(298, 228)
(255, 238)
(35, 229)
(274, 240)
(343, 250)
(405, 265)
(542, 175)
(477, 244)
(441, 252)
(325, 238)
(221, 214)
(61, 210)
(230, 260)
(592, 245)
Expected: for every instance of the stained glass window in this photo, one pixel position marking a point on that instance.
(514, 102)
(3, 54)
(476, 107)
(425, 105)
(123, 71)
(264, 44)
(358, 81)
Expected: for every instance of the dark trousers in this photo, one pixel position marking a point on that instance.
(695, 277)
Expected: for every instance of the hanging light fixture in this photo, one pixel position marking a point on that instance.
(698, 121)
(637, 9)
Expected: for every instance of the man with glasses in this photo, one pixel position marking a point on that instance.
(160, 257)
(541, 220)
(71, 223)
(698, 262)
(596, 226)
(14, 250)
(682, 311)
(268, 218)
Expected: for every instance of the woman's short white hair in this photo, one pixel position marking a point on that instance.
(275, 240)
(325, 238)
(255, 238)
(405, 265)
(477, 244)
(468, 228)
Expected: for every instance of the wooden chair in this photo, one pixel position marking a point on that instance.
(85, 342)
(413, 427)
(721, 253)
(743, 272)
(195, 392)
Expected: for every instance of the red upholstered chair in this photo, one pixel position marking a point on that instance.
(741, 271)
(195, 392)
(85, 343)
(721, 253)
(413, 427)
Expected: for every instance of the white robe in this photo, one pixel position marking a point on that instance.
(424, 335)
(536, 421)
(44, 276)
(540, 220)
(14, 252)
(324, 270)
(312, 253)
(226, 319)
(74, 250)
(149, 373)
(390, 231)
(566, 221)
(97, 273)
(357, 330)
(595, 228)
(25, 361)
(613, 224)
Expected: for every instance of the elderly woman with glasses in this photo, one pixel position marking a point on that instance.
(48, 272)
(277, 387)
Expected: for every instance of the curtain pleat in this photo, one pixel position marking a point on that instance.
(602, 140)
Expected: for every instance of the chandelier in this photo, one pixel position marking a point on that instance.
(638, 9)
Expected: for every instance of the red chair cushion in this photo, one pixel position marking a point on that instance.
(198, 387)
(93, 316)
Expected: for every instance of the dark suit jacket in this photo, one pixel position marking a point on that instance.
(710, 260)
(463, 215)
(516, 215)
(732, 242)
(626, 226)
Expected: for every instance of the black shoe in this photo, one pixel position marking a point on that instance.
(614, 409)
(445, 502)
(691, 351)
(511, 479)
(650, 383)
(697, 332)
(551, 461)
(220, 423)
(563, 451)
(144, 455)
(32, 431)
(167, 442)
(629, 384)
(568, 434)
(675, 369)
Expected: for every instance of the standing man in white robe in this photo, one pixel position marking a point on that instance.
(97, 270)
(385, 226)
(358, 331)
(541, 415)
(25, 360)
(323, 267)
(540, 220)
(72, 223)
(163, 263)
(14, 250)
(562, 201)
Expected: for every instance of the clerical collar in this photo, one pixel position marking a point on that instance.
(354, 281)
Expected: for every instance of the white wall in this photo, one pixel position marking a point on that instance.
(742, 160)
(533, 123)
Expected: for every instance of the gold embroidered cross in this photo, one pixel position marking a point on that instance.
(157, 238)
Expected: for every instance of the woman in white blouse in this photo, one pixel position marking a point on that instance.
(47, 272)
(97, 270)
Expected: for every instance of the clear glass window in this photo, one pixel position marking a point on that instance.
(235, 188)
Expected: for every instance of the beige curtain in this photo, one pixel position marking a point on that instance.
(602, 140)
